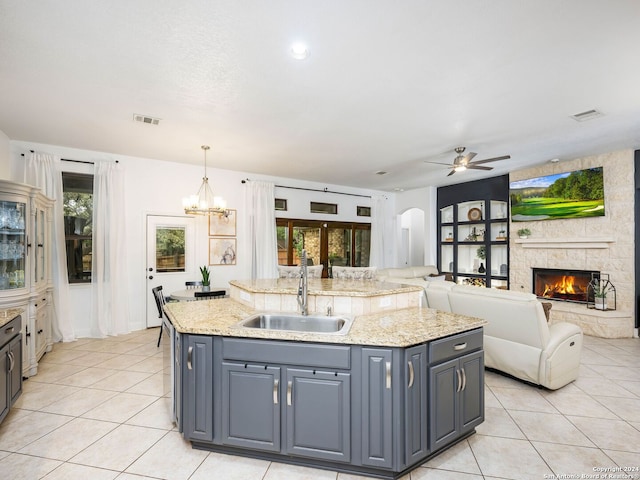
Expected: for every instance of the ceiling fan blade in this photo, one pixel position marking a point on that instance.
(474, 166)
(469, 156)
(438, 163)
(495, 159)
(451, 173)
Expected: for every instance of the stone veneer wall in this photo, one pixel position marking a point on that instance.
(617, 259)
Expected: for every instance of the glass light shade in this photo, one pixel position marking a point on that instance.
(204, 203)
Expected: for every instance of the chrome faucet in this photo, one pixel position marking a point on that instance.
(303, 286)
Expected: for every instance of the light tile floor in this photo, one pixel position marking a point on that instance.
(97, 410)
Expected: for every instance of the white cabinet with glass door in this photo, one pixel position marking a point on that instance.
(25, 272)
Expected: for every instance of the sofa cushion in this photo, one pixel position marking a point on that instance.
(354, 273)
(438, 295)
(503, 309)
(408, 272)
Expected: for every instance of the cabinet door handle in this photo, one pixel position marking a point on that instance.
(459, 380)
(411, 374)
(189, 355)
(12, 362)
(276, 384)
(388, 375)
(464, 380)
(289, 388)
(460, 346)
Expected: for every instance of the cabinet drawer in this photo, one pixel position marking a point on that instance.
(41, 302)
(303, 354)
(10, 330)
(455, 345)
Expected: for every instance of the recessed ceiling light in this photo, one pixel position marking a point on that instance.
(299, 51)
(380, 172)
(554, 160)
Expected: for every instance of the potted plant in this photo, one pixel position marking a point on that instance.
(206, 285)
(524, 232)
(600, 295)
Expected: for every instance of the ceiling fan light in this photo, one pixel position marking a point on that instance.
(459, 168)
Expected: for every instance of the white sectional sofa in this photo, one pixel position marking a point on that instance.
(517, 339)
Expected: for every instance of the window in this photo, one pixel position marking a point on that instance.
(326, 243)
(363, 211)
(78, 224)
(320, 207)
(281, 204)
(170, 249)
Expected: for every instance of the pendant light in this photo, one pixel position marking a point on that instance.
(204, 202)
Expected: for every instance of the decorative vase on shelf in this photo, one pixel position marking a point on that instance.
(481, 268)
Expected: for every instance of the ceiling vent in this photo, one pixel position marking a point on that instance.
(146, 119)
(588, 115)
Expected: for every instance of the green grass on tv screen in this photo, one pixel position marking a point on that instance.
(553, 208)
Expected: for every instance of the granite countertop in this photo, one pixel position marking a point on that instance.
(6, 315)
(399, 328)
(325, 286)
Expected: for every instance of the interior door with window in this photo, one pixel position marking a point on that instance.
(170, 258)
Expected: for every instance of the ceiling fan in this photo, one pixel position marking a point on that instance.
(463, 162)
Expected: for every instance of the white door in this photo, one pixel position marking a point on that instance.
(170, 258)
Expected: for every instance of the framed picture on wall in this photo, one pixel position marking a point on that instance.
(222, 251)
(223, 225)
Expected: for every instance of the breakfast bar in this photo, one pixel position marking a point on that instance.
(395, 385)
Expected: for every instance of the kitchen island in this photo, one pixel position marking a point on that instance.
(394, 390)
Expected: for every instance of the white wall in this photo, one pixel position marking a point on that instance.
(153, 186)
(5, 157)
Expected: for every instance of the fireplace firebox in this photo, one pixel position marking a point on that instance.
(563, 284)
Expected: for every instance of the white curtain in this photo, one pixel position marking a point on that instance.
(381, 231)
(261, 228)
(110, 289)
(44, 171)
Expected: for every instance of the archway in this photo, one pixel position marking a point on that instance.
(412, 241)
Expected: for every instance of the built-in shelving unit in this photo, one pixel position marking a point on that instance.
(473, 226)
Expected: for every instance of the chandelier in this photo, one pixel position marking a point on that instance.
(204, 202)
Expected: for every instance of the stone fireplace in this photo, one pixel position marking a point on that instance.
(563, 284)
(599, 244)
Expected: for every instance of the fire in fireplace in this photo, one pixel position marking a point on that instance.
(563, 284)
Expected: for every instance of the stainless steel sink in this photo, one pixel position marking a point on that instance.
(299, 323)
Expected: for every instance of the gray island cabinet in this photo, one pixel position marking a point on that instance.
(372, 410)
(399, 386)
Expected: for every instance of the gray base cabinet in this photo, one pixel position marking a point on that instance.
(251, 406)
(456, 389)
(374, 411)
(197, 405)
(10, 365)
(416, 419)
(319, 414)
(377, 407)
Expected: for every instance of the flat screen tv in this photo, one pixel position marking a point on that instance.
(576, 194)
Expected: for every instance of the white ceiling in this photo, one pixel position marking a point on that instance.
(388, 84)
